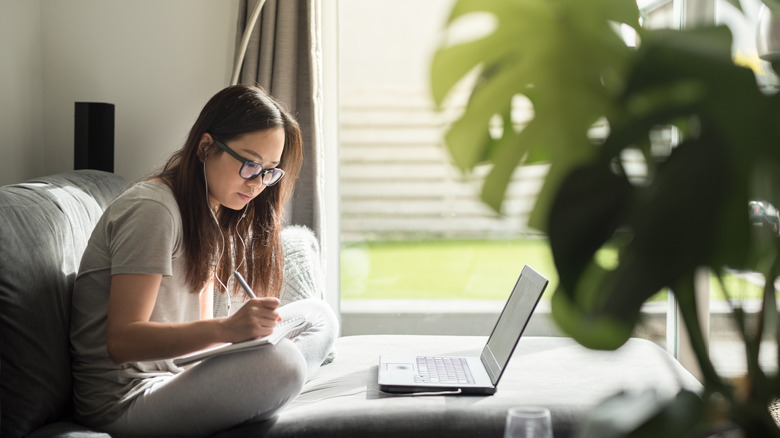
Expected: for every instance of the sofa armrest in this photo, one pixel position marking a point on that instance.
(46, 224)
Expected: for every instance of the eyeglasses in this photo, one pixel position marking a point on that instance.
(252, 169)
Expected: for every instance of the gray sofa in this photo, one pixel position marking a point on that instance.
(45, 226)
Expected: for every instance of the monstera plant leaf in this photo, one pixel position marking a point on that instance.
(568, 60)
(563, 55)
(690, 212)
(645, 414)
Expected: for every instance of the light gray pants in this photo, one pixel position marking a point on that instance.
(225, 391)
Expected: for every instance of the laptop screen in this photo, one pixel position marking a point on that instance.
(512, 322)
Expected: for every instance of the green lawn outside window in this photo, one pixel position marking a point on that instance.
(461, 269)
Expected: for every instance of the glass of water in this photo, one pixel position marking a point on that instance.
(528, 422)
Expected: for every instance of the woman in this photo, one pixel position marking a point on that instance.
(143, 294)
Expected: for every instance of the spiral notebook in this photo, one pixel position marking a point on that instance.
(282, 330)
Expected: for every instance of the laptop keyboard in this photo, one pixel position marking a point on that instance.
(448, 370)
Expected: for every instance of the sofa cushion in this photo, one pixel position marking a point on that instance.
(46, 225)
(343, 398)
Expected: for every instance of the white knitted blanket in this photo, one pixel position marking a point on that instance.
(303, 274)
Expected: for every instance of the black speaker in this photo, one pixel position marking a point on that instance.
(94, 136)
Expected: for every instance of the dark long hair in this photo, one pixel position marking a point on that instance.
(209, 248)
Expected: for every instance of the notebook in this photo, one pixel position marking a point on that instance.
(468, 375)
(284, 329)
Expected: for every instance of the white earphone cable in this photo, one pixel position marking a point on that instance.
(222, 235)
(243, 243)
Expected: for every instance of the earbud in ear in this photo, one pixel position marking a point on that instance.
(203, 154)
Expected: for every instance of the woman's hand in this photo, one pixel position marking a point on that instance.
(131, 337)
(255, 319)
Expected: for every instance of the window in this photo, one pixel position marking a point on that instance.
(419, 252)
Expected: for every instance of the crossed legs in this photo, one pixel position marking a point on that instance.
(228, 390)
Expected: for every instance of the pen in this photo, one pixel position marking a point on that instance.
(243, 284)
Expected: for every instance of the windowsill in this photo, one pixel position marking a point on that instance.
(427, 306)
(477, 317)
(434, 317)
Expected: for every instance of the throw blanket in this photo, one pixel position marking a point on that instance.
(303, 276)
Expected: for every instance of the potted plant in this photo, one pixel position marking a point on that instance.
(568, 60)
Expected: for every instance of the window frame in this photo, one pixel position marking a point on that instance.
(328, 19)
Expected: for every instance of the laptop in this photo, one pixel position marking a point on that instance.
(468, 375)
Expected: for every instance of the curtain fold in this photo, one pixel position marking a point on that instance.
(282, 57)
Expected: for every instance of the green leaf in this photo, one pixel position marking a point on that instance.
(591, 329)
(513, 60)
(679, 74)
(682, 416)
(508, 153)
(539, 218)
(689, 212)
(598, 199)
(468, 136)
(452, 63)
(684, 290)
(645, 415)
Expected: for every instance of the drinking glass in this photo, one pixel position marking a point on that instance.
(528, 422)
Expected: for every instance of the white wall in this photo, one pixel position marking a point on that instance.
(21, 99)
(158, 61)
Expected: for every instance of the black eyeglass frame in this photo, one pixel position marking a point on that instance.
(244, 162)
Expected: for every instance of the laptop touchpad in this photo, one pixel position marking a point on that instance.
(400, 367)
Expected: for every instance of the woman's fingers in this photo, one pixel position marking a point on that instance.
(256, 318)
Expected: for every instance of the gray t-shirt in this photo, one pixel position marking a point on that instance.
(139, 233)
